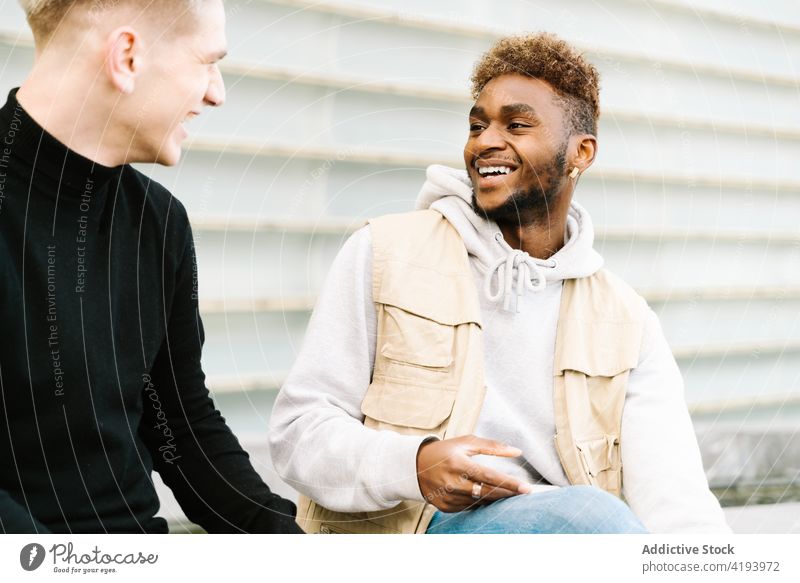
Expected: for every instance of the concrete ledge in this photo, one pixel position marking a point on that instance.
(765, 518)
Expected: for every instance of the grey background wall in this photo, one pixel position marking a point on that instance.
(335, 108)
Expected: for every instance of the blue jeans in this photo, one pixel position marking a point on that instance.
(568, 510)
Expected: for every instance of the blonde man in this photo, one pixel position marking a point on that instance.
(100, 371)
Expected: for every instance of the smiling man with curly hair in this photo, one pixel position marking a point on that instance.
(567, 87)
(471, 367)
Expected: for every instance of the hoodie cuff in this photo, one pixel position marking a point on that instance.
(395, 473)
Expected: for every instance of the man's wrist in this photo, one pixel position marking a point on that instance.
(423, 443)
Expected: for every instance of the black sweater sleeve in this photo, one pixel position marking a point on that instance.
(14, 518)
(192, 447)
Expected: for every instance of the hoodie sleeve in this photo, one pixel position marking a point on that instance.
(318, 442)
(664, 482)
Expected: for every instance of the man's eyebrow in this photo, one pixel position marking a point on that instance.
(517, 108)
(477, 111)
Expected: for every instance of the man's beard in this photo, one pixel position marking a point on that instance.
(530, 206)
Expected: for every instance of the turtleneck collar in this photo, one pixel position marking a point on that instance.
(23, 138)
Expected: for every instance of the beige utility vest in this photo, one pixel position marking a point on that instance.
(428, 374)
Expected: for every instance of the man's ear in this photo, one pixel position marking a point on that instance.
(123, 58)
(584, 151)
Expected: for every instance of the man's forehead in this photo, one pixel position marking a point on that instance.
(210, 24)
(210, 39)
(516, 91)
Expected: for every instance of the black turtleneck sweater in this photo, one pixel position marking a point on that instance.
(100, 377)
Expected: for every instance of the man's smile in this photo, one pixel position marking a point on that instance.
(493, 172)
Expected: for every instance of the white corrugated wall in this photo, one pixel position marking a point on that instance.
(335, 108)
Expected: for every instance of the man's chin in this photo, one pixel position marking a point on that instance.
(169, 156)
(485, 204)
(170, 150)
(513, 209)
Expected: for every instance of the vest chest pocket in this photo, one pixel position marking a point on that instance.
(407, 341)
(407, 408)
(413, 388)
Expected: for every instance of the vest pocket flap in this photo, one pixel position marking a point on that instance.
(597, 349)
(598, 455)
(443, 297)
(415, 340)
(396, 403)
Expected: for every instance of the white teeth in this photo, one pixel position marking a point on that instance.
(494, 170)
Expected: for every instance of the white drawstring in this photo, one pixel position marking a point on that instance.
(504, 267)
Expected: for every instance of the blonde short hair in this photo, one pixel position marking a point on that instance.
(44, 16)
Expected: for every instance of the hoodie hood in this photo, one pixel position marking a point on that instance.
(507, 272)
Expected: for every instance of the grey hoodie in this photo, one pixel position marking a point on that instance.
(320, 446)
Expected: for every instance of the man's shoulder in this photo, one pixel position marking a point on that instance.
(157, 197)
(610, 290)
(412, 229)
(407, 219)
(612, 279)
(390, 226)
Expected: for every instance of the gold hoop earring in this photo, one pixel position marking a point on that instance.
(574, 173)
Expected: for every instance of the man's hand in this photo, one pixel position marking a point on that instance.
(447, 474)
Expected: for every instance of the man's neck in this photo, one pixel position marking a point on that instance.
(540, 237)
(71, 117)
(537, 241)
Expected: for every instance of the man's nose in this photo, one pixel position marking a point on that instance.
(215, 94)
(491, 138)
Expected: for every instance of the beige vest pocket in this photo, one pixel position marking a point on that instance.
(414, 340)
(401, 407)
(600, 454)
